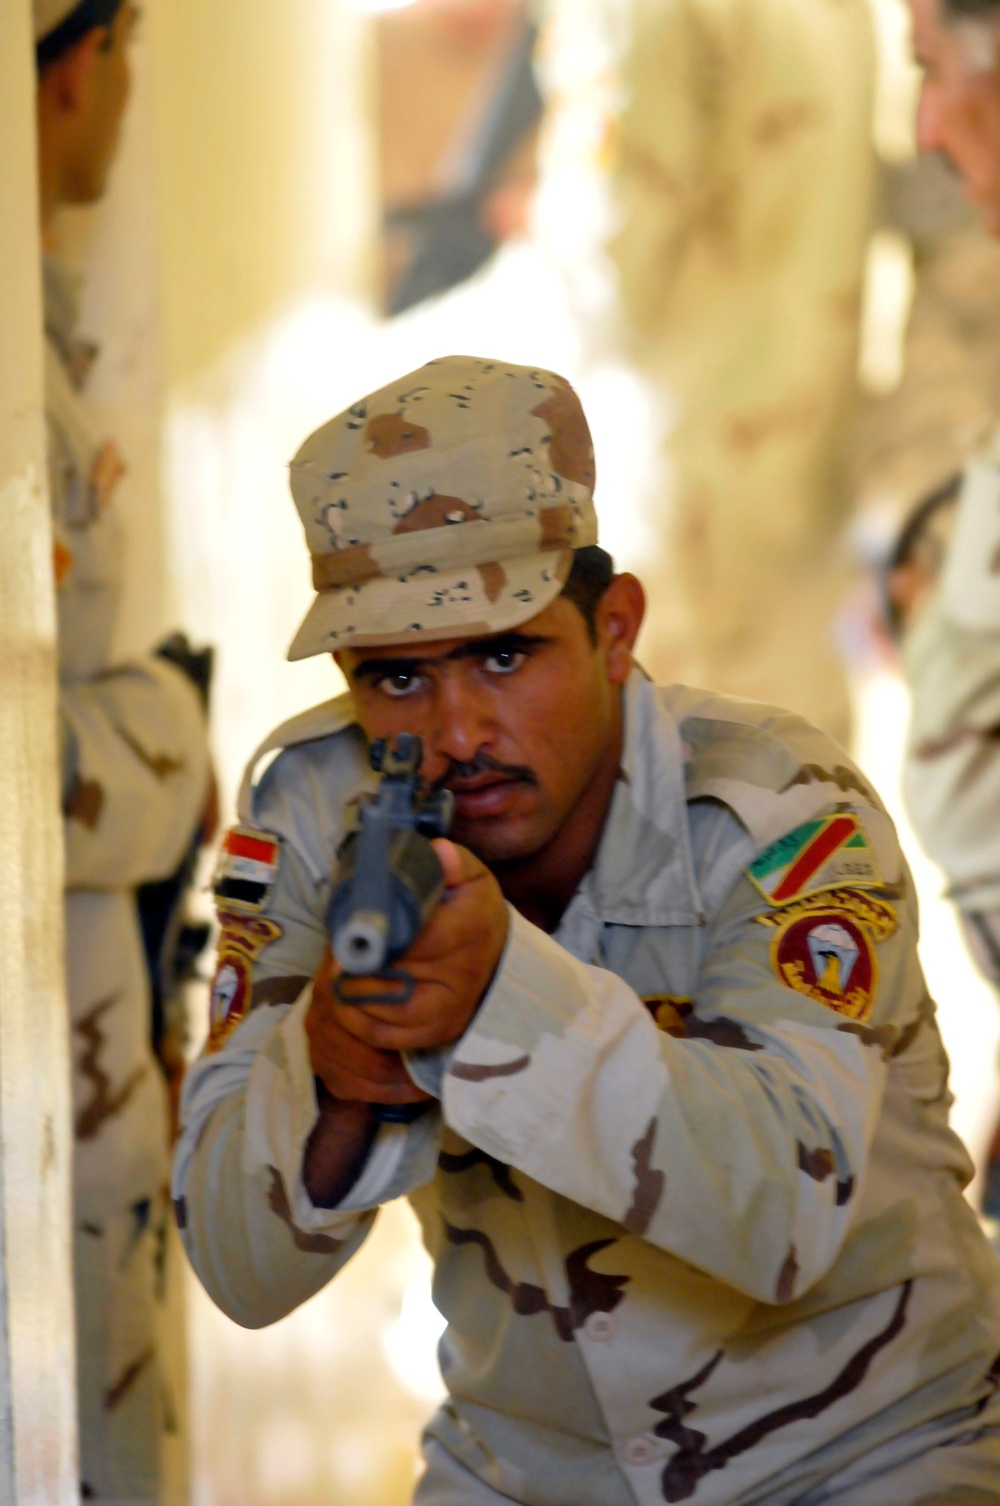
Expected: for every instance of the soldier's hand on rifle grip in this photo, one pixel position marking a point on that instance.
(349, 1068)
(452, 964)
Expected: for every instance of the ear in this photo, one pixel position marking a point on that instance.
(619, 617)
(66, 84)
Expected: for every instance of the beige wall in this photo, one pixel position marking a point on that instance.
(264, 184)
(37, 1424)
(243, 195)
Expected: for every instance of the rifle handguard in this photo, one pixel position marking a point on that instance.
(388, 884)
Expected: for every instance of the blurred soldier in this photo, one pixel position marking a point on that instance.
(684, 1166)
(734, 146)
(947, 588)
(135, 781)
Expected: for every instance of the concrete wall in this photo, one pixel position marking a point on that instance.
(37, 1424)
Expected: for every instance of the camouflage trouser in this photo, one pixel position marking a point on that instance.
(119, 1387)
(963, 1470)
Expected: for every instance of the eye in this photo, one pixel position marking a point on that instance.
(504, 661)
(400, 683)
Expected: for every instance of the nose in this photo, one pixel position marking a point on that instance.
(463, 721)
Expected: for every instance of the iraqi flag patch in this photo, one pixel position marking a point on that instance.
(828, 853)
(247, 870)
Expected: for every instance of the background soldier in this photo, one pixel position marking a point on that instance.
(685, 1167)
(734, 146)
(135, 782)
(945, 588)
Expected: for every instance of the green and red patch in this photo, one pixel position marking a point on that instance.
(828, 853)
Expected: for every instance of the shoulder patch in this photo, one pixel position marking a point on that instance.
(246, 871)
(826, 853)
(824, 947)
(242, 940)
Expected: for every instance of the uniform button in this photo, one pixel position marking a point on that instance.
(639, 1452)
(600, 1327)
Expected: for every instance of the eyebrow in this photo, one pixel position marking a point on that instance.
(475, 648)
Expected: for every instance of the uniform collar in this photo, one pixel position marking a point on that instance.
(643, 874)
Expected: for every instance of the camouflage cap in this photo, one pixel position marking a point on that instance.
(447, 504)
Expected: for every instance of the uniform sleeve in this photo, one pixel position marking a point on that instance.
(952, 662)
(136, 770)
(256, 1263)
(737, 1141)
(255, 1239)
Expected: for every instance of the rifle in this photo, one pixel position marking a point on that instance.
(174, 941)
(389, 878)
(389, 883)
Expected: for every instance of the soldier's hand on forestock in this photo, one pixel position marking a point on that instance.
(451, 964)
(349, 1068)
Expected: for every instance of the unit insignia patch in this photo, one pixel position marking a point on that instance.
(246, 870)
(877, 915)
(822, 854)
(242, 940)
(824, 947)
(829, 958)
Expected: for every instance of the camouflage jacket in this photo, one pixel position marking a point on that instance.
(135, 773)
(952, 662)
(694, 1204)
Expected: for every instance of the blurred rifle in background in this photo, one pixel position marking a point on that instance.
(173, 941)
(450, 238)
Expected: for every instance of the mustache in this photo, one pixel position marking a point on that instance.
(483, 763)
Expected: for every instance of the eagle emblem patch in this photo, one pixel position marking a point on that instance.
(243, 939)
(824, 947)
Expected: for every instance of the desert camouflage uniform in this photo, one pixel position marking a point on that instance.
(694, 1204)
(952, 661)
(134, 782)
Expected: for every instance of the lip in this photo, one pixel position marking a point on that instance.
(481, 798)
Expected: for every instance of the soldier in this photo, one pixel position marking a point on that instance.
(686, 1170)
(135, 780)
(721, 154)
(949, 603)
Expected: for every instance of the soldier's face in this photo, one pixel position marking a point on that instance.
(98, 80)
(959, 112)
(524, 728)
